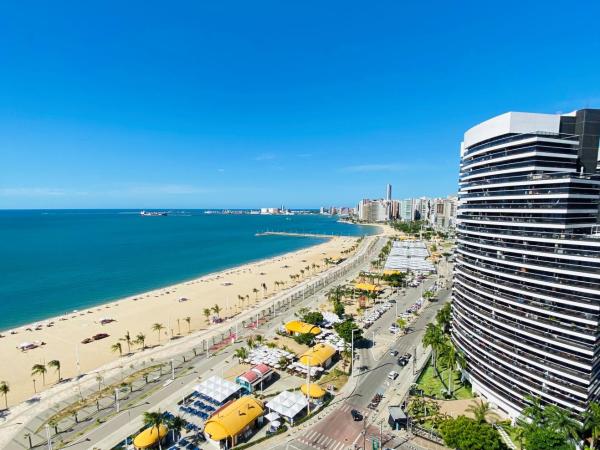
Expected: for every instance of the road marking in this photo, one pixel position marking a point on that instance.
(309, 434)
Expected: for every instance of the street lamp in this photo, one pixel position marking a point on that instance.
(352, 352)
(117, 399)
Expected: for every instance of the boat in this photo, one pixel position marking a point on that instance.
(153, 213)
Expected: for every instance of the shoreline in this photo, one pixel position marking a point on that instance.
(137, 313)
(113, 301)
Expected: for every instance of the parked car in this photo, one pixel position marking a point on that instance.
(99, 336)
(87, 341)
(394, 353)
(392, 375)
(402, 361)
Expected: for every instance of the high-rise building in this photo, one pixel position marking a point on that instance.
(388, 192)
(526, 295)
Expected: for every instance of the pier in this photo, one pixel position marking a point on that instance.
(297, 234)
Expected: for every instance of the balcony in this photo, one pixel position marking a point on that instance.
(587, 239)
(533, 148)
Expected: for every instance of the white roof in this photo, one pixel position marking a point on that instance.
(288, 404)
(217, 388)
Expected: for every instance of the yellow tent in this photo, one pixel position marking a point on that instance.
(233, 419)
(313, 390)
(317, 355)
(367, 287)
(391, 272)
(149, 437)
(296, 326)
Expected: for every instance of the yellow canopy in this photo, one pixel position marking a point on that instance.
(233, 419)
(313, 390)
(317, 355)
(296, 326)
(367, 287)
(391, 272)
(149, 437)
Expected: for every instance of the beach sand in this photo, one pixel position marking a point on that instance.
(62, 339)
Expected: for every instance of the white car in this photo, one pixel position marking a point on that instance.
(393, 375)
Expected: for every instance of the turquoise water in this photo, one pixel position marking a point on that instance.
(54, 261)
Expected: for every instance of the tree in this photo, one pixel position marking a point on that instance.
(206, 312)
(344, 330)
(468, 434)
(250, 343)
(154, 420)
(481, 410)
(140, 339)
(256, 291)
(313, 317)
(434, 338)
(55, 364)
(543, 438)
(338, 309)
(591, 423)
(548, 427)
(127, 339)
(177, 423)
(4, 390)
(117, 347)
(188, 320)
(99, 380)
(241, 354)
(264, 287)
(304, 338)
(444, 316)
(158, 327)
(216, 309)
(402, 323)
(39, 369)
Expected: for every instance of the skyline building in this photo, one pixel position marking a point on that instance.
(526, 294)
(388, 192)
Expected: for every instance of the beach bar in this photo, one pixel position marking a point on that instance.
(321, 355)
(256, 378)
(297, 327)
(150, 437)
(234, 423)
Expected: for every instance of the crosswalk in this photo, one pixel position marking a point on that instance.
(317, 440)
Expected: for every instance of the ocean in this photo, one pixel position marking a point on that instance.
(55, 261)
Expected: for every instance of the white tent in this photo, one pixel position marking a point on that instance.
(288, 404)
(217, 388)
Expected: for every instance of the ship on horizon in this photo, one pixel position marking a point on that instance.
(153, 213)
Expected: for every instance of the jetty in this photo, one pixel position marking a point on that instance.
(296, 234)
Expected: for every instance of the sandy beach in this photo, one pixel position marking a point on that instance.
(233, 290)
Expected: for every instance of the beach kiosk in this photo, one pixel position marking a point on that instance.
(298, 327)
(256, 379)
(217, 390)
(150, 437)
(234, 423)
(314, 391)
(397, 418)
(320, 355)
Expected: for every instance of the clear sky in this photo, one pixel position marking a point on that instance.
(260, 103)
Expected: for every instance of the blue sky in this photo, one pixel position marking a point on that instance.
(248, 104)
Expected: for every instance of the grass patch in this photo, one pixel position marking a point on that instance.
(433, 387)
(335, 377)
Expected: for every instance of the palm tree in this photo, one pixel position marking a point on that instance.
(591, 422)
(154, 420)
(346, 355)
(158, 327)
(99, 379)
(188, 320)
(562, 421)
(117, 347)
(449, 358)
(39, 369)
(55, 363)
(4, 390)
(264, 286)
(140, 339)
(241, 299)
(259, 339)
(402, 323)
(127, 339)
(241, 354)
(434, 338)
(216, 309)
(443, 316)
(481, 410)
(206, 312)
(176, 424)
(250, 342)
(255, 293)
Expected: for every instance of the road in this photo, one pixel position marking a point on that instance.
(338, 431)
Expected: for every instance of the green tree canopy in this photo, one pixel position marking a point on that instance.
(344, 329)
(313, 317)
(466, 434)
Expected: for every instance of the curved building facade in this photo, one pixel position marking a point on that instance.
(526, 294)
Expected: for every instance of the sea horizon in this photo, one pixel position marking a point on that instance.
(58, 260)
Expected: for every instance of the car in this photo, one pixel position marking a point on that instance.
(356, 416)
(394, 353)
(402, 361)
(99, 336)
(86, 341)
(392, 375)
(407, 356)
